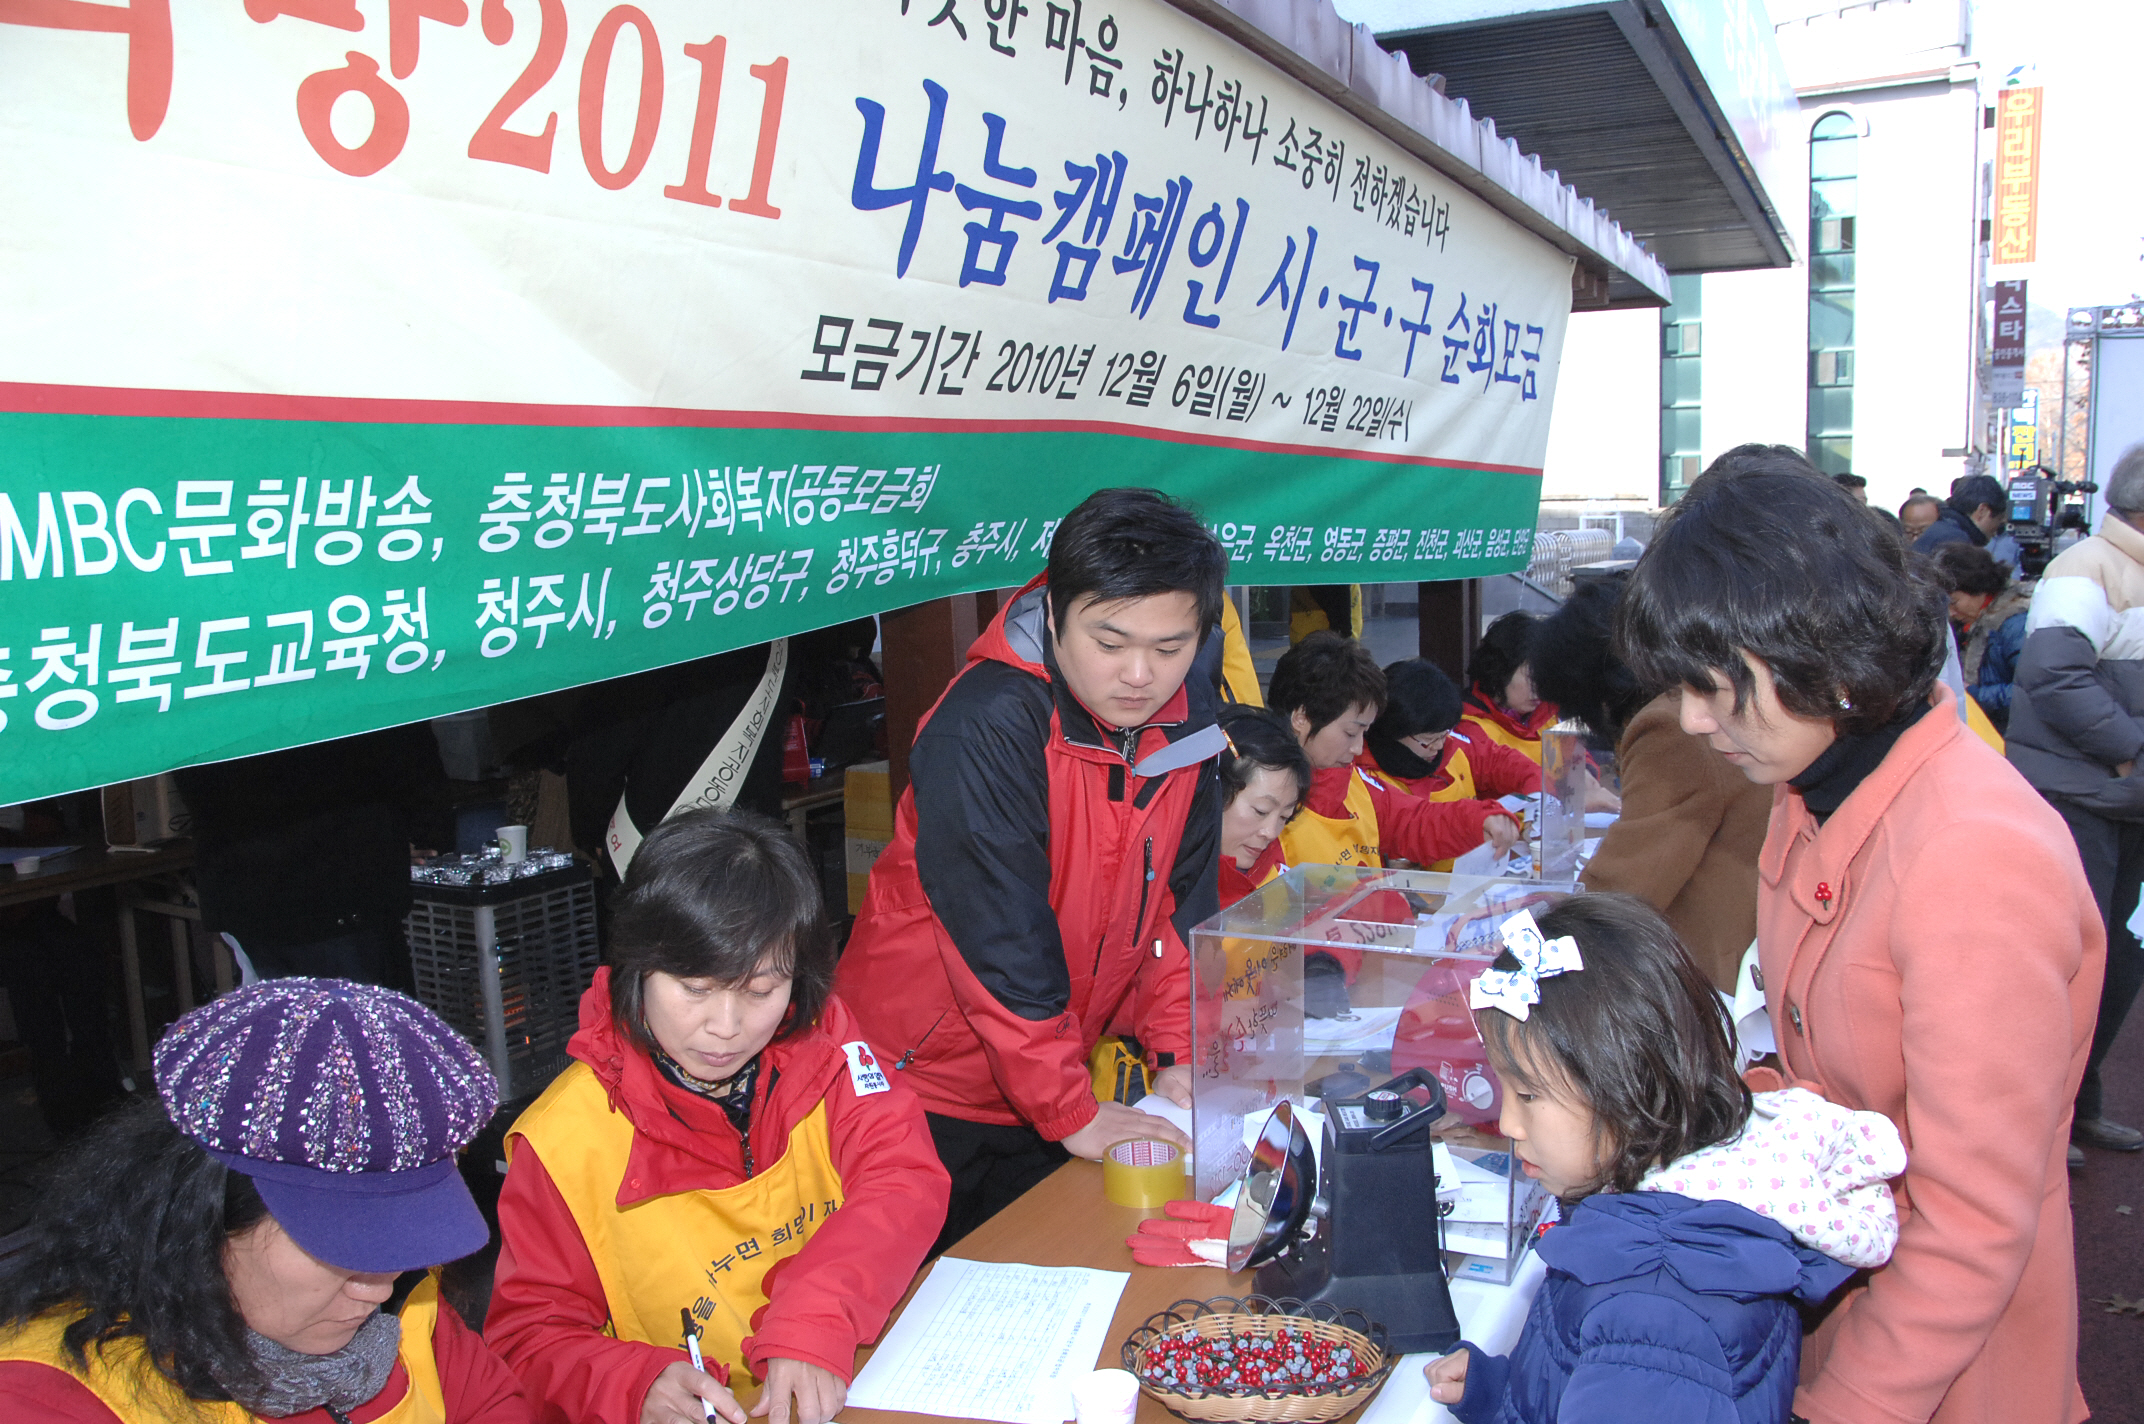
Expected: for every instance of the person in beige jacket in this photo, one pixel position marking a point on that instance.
(1687, 841)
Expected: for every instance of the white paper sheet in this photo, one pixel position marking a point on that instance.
(984, 1340)
(1363, 1030)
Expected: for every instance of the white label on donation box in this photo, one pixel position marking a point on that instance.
(865, 1076)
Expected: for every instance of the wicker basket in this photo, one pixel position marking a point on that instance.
(1258, 1315)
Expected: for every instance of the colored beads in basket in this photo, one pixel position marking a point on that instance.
(1283, 1360)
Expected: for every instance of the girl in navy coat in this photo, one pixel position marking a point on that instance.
(1696, 1219)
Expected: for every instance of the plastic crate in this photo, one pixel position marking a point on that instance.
(505, 965)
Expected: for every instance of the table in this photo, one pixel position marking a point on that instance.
(127, 872)
(1066, 1221)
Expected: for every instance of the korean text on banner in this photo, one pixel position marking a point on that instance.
(364, 361)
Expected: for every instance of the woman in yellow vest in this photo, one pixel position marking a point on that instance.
(1501, 704)
(237, 1248)
(1264, 777)
(1416, 745)
(726, 1151)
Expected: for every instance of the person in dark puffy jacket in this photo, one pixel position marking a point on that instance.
(1987, 613)
(1696, 1219)
(2076, 733)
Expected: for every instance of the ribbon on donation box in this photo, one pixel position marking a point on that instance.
(1516, 991)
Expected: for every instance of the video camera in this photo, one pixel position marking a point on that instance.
(2040, 506)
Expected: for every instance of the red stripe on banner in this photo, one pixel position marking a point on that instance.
(23, 397)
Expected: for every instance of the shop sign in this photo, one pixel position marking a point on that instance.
(368, 360)
(2017, 174)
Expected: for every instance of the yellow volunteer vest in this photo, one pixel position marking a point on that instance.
(707, 1252)
(1981, 726)
(1239, 675)
(1311, 839)
(124, 1381)
(1461, 789)
(1497, 732)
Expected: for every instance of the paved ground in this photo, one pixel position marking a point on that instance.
(2107, 1198)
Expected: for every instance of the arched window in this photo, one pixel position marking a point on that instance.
(1834, 168)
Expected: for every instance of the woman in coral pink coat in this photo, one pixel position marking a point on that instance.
(1807, 653)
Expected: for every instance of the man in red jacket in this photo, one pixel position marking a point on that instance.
(1057, 842)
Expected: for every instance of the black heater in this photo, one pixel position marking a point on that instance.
(1369, 1239)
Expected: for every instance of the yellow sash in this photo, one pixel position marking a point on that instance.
(709, 1251)
(1311, 839)
(124, 1381)
(1461, 789)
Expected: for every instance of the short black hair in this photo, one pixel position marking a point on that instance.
(1638, 1032)
(1575, 664)
(1848, 480)
(1323, 676)
(1968, 494)
(717, 895)
(1135, 543)
(1505, 646)
(1419, 699)
(1967, 568)
(1764, 555)
(1259, 738)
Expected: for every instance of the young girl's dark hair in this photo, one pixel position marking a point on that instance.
(1258, 739)
(1638, 1032)
(128, 1239)
(719, 895)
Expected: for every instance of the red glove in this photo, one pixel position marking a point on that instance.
(1194, 1233)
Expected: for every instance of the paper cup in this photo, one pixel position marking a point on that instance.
(1105, 1397)
(27, 864)
(514, 840)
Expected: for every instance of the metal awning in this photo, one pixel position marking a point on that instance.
(1666, 113)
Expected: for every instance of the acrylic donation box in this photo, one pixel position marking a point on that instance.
(1327, 982)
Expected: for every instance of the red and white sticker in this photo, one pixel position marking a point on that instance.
(865, 1076)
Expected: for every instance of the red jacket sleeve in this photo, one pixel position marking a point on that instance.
(835, 1294)
(1424, 831)
(1500, 770)
(29, 1390)
(547, 1310)
(1162, 993)
(479, 1387)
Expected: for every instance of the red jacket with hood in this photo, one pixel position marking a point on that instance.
(547, 1305)
(1045, 872)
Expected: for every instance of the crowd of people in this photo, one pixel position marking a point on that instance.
(761, 1139)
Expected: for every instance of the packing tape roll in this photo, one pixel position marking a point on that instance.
(1143, 1172)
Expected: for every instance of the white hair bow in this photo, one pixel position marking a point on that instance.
(1516, 991)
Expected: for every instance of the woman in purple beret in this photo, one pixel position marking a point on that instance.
(256, 1242)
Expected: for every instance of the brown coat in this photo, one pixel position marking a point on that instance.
(1959, 1006)
(1688, 838)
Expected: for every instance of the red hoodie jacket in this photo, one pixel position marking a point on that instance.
(1045, 872)
(547, 1306)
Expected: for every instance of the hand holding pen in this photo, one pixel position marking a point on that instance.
(687, 1393)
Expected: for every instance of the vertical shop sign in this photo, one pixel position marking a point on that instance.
(2006, 381)
(2017, 175)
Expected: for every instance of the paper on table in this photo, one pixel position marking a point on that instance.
(10, 854)
(989, 1340)
(1364, 1029)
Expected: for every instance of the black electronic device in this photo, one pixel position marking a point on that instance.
(2039, 508)
(1369, 1240)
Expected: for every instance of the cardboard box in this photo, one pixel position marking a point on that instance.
(867, 815)
(145, 813)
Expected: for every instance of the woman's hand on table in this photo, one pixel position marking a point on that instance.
(819, 1393)
(1600, 798)
(1448, 1377)
(1501, 832)
(1174, 1083)
(675, 1398)
(1114, 1122)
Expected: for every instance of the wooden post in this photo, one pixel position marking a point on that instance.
(1449, 616)
(922, 647)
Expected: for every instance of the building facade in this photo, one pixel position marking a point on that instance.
(1865, 351)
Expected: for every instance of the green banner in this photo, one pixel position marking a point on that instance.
(158, 612)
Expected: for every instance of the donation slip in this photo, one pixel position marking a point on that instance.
(985, 1340)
